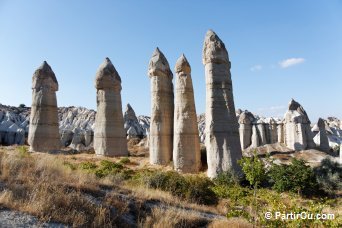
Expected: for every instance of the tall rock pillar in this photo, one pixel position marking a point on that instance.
(321, 138)
(109, 135)
(298, 134)
(44, 131)
(186, 144)
(245, 129)
(222, 129)
(161, 126)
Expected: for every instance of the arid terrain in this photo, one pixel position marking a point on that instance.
(82, 189)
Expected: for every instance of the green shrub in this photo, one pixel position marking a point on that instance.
(254, 170)
(70, 165)
(125, 160)
(107, 167)
(192, 188)
(199, 190)
(23, 151)
(296, 177)
(226, 179)
(88, 166)
(329, 176)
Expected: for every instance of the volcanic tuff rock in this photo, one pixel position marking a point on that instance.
(132, 126)
(222, 129)
(73, 120)
(44, 134)
(162, 107)
(321, 137)
(245, 121)
(109, 135)
(298, 134)
(186, 144)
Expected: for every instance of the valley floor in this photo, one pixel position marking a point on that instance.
(82, 189)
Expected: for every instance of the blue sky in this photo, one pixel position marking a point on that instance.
(278, 49)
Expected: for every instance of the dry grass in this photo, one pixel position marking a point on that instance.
(147, 194)
(231, 223)
(46, 188)
(172, 218)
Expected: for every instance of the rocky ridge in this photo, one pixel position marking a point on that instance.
(76, 126)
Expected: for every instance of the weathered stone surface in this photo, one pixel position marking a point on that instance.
(132, 126)
(255, 137)
(245, 129)
(109, 136)
(44, 132)
(260, 125)
(273, 131)
(280, 131)
(222, 130)
(161, 126)
(321, 138)
(186, 145)
(298, 135)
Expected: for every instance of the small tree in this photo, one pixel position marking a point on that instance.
(22, 106)
(254, 169)
(255, 173)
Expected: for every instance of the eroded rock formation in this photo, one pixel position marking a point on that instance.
(161, 126)
(44, 132)
(245, 129)
(321, 138)
(222, 130)
(110, 136)
(186, 144)
(132, 126)
(298, 134)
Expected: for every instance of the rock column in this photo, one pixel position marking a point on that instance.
(280, 132)
(321, 137)
(298, 134)
(109, 135)
(186, 145)
(245, 129)
(222, 129)
(273, 131)
(161, 126)
(44, 131)
(261, 130)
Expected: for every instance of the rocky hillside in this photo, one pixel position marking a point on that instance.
(77, 126)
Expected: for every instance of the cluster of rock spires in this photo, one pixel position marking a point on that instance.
(174, 131)
(294, 130)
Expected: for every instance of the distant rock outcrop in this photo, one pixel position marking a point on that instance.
(298, 134)
(321, 138)
(132, 126)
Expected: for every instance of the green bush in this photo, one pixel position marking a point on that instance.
(23, 151)
(254, 170)
(192, 188)
(70, 165)
(125, 160)
(296, 177)
(226, 178)
(199, 190)
(329, 176)
(107, 167)
(88, 166)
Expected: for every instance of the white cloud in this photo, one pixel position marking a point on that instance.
(256, 68)
(291, 62)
